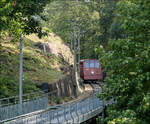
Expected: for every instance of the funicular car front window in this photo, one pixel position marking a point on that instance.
(91, 63)
(86, 64)
(96, 64)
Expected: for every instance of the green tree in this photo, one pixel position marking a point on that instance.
(64, 15)
(128, 65)
(21, 16)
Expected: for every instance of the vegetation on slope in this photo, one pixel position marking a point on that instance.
(38, 66)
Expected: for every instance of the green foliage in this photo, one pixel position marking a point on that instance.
(120, 117)
(94, 18)
(10, 87)
(106, 18)
(18, 16)
(37, 68)
(58, 100)
(64, 15)
(29, 86)
(128, 66)
(6, 87)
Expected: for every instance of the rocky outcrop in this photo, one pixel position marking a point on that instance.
(64, 87)
(59, 49)
(53, 44)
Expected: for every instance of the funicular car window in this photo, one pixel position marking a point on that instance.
(96, 64)
(86, 64)
(91, 63)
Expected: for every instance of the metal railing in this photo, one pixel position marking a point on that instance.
(10, 107)
(77, 112)
(15, 99)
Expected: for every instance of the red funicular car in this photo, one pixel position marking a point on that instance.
(90, 70)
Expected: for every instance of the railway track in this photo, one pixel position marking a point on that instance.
(97, 87)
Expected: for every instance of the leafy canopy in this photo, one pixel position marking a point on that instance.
(18, 16)
(128, 65)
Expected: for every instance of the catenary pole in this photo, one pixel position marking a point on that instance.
(74, 36)
(21, 74)
(79, 53)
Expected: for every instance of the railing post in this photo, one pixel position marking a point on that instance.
(83, 111)
(77, 111)
(52, 117)
(89, 107)
(65, 114)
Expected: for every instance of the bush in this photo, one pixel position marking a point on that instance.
(58, 100)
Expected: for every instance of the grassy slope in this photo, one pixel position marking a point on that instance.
(38, 66)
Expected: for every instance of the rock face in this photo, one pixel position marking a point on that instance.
(48, 47)
(60, 49)
(64, 87)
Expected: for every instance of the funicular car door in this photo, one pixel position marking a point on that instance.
(89, 69)
(81, 69)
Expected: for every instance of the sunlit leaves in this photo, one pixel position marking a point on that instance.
(127, 63)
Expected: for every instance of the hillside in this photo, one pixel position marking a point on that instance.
(44, 60)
